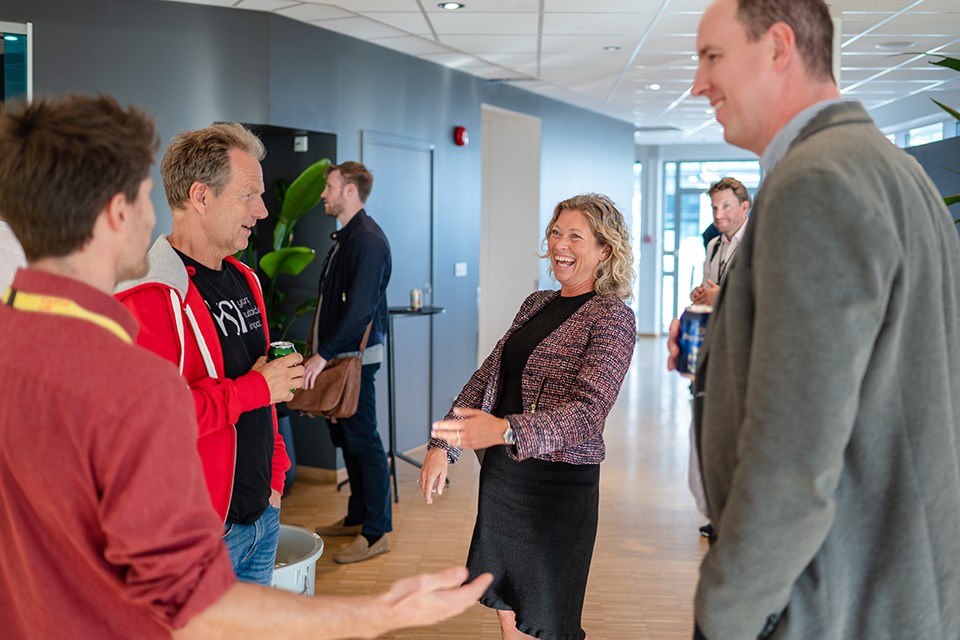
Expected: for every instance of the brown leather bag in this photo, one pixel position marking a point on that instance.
(336, 391)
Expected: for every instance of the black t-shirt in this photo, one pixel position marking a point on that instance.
(242, 339)
(521, 344)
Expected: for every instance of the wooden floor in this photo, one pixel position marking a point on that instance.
(648, 549)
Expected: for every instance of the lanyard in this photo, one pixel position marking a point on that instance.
(52, 305)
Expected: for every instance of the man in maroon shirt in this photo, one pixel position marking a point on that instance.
(106, 524)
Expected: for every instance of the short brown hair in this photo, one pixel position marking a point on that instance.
(615, 274)
(62, 160)
(811, 23)
(730, 184)
(356, 174)
(203, 156)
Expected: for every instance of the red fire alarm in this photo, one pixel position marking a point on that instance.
(461, 136)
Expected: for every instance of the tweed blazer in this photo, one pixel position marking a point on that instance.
(829, 432)
(569, 383)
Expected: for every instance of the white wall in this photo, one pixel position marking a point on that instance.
(509, 225)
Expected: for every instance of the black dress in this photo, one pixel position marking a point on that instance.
(536, 520)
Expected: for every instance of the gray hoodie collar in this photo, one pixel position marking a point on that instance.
(166, 268)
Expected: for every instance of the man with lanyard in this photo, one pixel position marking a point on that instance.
(100, 482)
(203, 310)
(730, 202)
(827, 387)
(353, 294)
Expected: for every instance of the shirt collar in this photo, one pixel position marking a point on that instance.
(781, 142)
(737, 236)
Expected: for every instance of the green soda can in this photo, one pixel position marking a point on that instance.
(280, 349)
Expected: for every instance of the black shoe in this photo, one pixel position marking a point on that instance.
(707, 531)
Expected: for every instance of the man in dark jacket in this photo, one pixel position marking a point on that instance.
(352, 295)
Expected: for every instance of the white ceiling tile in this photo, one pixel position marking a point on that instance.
(265, 5)
(410, 21)
(448, 23)
(602, 6)
(678, 22)
(483, 6)
(586, 44)
(359, 6)
(311, 12)
(632, 24)
(572, 60)
(413, 45)
(481, 44)
(360, 28)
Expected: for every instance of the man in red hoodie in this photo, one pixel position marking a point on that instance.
(203, 310)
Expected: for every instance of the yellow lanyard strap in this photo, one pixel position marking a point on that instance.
(52, 305)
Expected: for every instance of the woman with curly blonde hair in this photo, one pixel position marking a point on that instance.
(537, 406)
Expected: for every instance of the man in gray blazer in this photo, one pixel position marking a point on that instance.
(828, 397)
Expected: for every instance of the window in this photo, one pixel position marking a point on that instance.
(924, 135)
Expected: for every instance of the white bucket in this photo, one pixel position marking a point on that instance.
(297, 553)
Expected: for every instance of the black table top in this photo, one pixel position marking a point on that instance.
(402, 312)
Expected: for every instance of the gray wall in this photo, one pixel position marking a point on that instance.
(941, 160)
(191, 65)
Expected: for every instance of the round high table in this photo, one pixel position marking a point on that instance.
(394, 313)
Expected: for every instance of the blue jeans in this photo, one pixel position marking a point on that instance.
(253, 547)
(366, 461)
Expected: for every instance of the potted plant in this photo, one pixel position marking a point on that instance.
(285, 258)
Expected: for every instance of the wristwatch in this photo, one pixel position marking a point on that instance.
(508, 438)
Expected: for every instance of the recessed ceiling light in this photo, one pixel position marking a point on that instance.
(611, 47)
(897, 45)
(654, 86)
(451, 6)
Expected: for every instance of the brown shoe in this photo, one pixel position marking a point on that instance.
(359, 550)
(339, 529)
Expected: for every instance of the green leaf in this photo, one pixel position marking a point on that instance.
(281, 235)
(289, 260)
(948, 62)
(953, 112)
(949, 200)
(306, 306)
(301, 196)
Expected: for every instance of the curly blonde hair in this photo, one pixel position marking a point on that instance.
(615, 274)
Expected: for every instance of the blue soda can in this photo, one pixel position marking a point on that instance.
(693, 331)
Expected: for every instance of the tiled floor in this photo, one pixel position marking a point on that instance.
(645, 563)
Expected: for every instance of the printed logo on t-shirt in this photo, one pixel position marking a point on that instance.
(236, 317)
